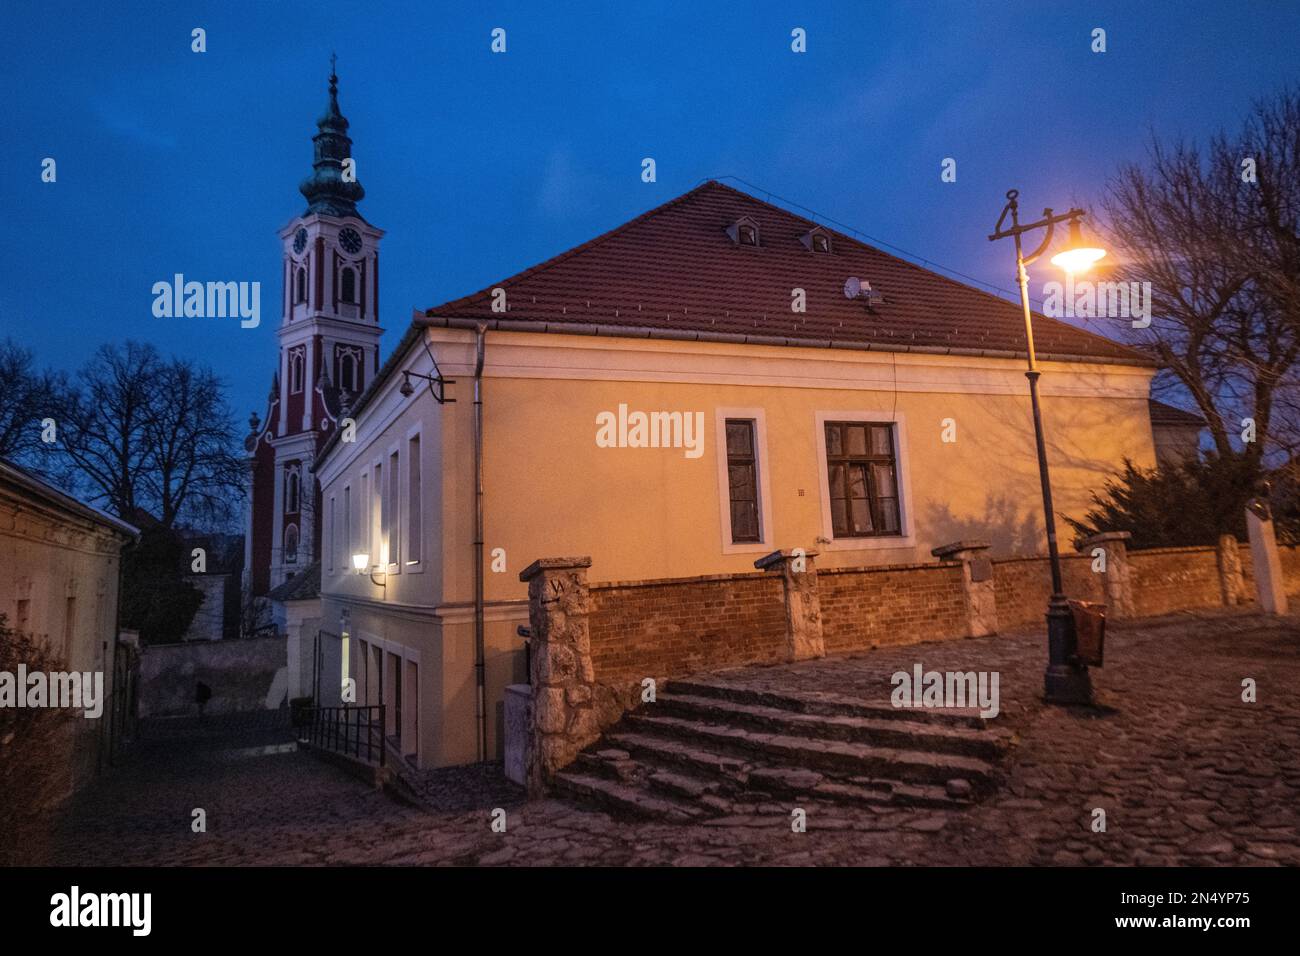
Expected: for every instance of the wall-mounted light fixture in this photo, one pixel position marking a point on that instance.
(361, 565)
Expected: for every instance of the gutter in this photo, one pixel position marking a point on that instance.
(686, 335)
(480, 664)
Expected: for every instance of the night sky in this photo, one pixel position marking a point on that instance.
(479, 165)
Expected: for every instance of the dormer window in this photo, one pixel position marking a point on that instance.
(816, 240)
(744, 232)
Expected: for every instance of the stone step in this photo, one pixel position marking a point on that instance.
(623, 799)
(732, 778)
(827, 704)
(665, 751)
(838, 756)
(909, 735)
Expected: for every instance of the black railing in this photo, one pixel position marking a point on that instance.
(351, 730)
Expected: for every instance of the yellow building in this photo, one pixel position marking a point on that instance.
(675, 398)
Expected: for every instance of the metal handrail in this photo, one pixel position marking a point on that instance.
(347, 730)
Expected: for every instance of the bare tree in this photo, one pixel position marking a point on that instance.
(143, 432)
(1216, 236)
(25, 400)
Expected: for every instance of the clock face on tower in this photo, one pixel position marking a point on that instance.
(350, 240)
(299, 241)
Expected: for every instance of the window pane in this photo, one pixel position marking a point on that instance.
(834, 445)
(882, 475)
(741, 478)
(880, 440)
(887, 512)
(744, 521)
(861, 514)
(740, 439)
(857, 481)
(857, 439)
(837, 481)
(839, 519)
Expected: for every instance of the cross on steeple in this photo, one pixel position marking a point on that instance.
(333, 60)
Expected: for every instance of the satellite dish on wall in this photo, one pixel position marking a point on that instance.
(852, 286)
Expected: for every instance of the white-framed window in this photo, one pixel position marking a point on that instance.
(330, 537)
(414, 501)
(378, 544)
(744, 485)
(865, 484)
(346, 533)
(363, 542)
(291, 544)
(348, 285)
(393, 517)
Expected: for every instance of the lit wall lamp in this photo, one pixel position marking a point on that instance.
(361, 565)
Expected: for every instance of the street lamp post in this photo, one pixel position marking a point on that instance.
(1066, 680)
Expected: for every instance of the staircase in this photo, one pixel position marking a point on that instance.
(707, 748)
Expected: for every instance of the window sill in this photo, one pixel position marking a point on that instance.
(869, 544)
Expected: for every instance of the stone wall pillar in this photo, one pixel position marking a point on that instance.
(1269, 583)
(564, 718)
(977, 584)
(803, 606)
(1232, 582)
(1116, 580)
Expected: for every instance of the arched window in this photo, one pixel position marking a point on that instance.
(291, 544)
(297, 362)
(349, 285)
(292, 490)
(347, 369)
(300, 286)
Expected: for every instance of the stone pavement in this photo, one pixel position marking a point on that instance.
(1186, 772)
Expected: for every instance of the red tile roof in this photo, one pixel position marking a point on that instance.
(674, 271)
(1162, 414)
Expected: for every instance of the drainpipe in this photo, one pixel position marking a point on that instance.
(480, 668)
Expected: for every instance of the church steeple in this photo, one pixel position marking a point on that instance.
(328, 191)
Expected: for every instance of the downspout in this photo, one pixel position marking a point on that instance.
(480, 664)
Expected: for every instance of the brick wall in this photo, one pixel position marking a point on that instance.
(674, 627)
(1024, 586)
(1174, 579)
(903, 604)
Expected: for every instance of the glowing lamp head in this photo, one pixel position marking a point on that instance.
(360, 562)
(1077, 256)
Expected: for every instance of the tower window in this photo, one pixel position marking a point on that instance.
(300, 286)
(291, 544)
(292, 489)
(347, 368)
(349, 285)
(297, 366)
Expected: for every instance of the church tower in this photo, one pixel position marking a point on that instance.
(329, 350)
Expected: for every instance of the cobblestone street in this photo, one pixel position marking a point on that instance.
(1186, 772)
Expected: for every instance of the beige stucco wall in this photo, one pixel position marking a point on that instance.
(655, 512)
(65, 569)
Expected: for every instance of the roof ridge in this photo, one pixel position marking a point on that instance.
(575, 250)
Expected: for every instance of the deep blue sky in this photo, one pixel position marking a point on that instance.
(479, 165)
